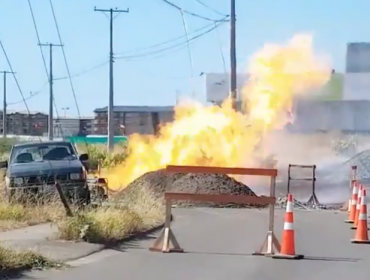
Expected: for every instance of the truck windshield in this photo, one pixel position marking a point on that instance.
(40, 152)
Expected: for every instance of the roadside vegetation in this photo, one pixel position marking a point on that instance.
(112, 222)
(13, 262)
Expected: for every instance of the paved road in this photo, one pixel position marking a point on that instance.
(218, 244)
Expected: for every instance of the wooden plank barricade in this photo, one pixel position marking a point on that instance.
(167, 242)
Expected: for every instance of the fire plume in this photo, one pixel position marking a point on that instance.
(220, 136)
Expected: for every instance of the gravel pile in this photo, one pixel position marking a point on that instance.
(160, 181)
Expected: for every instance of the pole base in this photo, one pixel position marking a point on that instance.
(288, 257)
(355, 241)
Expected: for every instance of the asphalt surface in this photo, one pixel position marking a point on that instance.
(219, 243)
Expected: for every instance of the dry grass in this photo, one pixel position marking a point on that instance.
(114, 221)
(16, 215)
(11, 261)
(136, 212)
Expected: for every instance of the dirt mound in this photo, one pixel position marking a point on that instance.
(160, 181)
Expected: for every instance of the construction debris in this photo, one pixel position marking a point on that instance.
(160, 181)
(281, 203)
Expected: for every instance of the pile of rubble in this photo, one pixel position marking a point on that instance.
(282, 201)
(160, 181)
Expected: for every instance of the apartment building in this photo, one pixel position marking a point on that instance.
(132, 119)
(24, 123)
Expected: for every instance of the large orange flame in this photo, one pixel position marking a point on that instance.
(220, 136)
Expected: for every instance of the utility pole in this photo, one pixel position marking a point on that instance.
(5, 123)
(51, 94)
(233, 80)
(111, 90)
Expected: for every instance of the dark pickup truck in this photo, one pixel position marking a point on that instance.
(37, 167)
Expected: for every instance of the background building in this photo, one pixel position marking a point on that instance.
(135, 119)
(358, 58)
(86, 125)
(22, 123)
(64, 126)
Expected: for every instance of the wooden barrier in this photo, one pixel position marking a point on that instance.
(167, 242)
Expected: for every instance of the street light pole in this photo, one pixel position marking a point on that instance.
(65, 109)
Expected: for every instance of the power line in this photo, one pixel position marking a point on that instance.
(65, 59)
(15, 79)
(42, 56)
(165, 42)
(190, 56)
(220, 48)
(182, 44)
(175, 50)
(187, 12)
(209, 7)
(35, 93)
(83, 72)
(32, 94)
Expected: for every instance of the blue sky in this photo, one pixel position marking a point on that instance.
(154, 81)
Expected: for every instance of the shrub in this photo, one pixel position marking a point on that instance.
(5, 147)
(98, 154)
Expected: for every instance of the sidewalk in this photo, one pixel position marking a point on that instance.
(39, 238)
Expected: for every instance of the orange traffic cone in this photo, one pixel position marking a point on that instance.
(287, 250)
(361, 236)
(359, 194)
(352, 213)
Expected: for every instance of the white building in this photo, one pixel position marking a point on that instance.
(358, 58)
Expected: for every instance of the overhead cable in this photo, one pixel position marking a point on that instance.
(188, 12)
